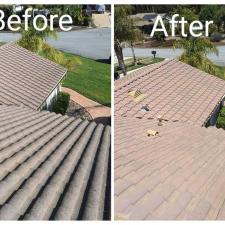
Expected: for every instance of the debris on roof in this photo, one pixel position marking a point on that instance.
(177, 91)
(137, 95)
(180, 175)
(152, 132)
(145, 108)
(52, 167)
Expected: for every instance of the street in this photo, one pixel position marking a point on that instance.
(90, 43)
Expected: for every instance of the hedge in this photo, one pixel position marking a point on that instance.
(220, 122)
(61, 103)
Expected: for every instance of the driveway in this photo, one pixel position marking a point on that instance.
(90, 43)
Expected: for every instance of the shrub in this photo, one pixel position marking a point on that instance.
(222, 112)
(61, 103)
(87, 20)
(216, 37)
(220, 122)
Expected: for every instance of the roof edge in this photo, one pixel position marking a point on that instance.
(33, 53)
(131, 77)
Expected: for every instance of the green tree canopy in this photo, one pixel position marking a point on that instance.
(195, 53)
(36, 41)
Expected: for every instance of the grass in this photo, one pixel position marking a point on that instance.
(91, 79)
(141, 62)
(221, 72)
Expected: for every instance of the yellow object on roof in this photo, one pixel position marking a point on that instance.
(152, 132)
(137, 95)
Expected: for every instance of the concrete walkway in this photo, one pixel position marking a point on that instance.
(98, 112)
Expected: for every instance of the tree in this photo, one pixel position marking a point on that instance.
(189, 15)
(208, 12)
(121, 13)
(220, 18)
(135, 35)
(195, 53)
(36, 41)
(76, 12)
(125, 31)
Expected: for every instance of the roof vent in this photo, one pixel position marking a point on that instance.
(145, 108)
(137, 95)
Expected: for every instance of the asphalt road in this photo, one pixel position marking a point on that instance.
(171, 53)
(90, 43)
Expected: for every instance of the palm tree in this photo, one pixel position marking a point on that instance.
(195, 53)
(121, 29)
(36, 41)
(125, 31)
(134, 35)
(76, 12)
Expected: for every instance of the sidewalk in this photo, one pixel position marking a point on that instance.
(98, 112)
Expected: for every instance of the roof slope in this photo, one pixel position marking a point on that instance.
(51, 166)
(26, 78)
(178, 174)
(174, 90)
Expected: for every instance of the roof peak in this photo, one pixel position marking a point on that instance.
(134, 75)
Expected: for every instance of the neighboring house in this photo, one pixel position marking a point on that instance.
(167, 164)
(53, 167)
(173, 90)
(28, 79)
(90, 9)
(17, 8)
(44, 12)
(145, 21)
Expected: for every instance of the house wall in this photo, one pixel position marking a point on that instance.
(213, 118)
(48, 103)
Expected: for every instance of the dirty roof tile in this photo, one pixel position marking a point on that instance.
(26, 78)
(52, 166)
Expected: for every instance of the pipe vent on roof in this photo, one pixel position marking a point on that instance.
(160, 119)
(137, 95)
(145, 108)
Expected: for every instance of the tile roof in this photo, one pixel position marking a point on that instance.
(52, 166)
(177, 174)
(174, 90)
(26, 78)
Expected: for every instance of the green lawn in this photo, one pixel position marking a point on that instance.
(221, 72)
(141, 62)
(91, 79)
